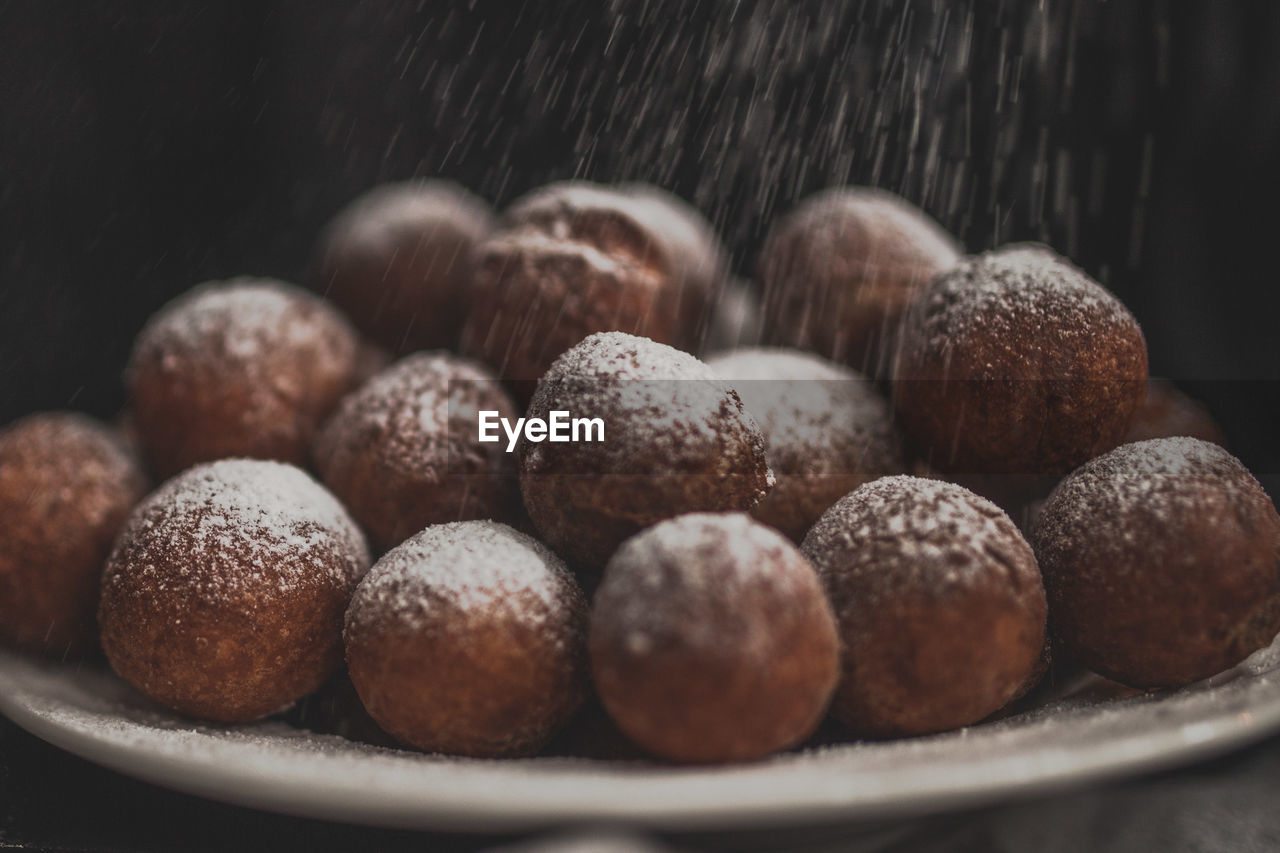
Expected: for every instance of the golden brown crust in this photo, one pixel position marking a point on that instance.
(839, 270)
(940, 606)
(399, 261)
(223, 598)
(468, 639)
(67, 483)
(711, 640)
(1162, 562)
(1016, 362)
(245, 367)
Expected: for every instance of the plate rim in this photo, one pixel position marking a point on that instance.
(200, 775)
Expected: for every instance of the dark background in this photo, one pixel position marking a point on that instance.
(147, 145)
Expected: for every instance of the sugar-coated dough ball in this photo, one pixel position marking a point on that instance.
(1162, 562)
(574, 258)
(469, 639)
(67, 483)
(246, 367)
(224, 596)
(712, 640)
(826, 428)
(399, 260)
(839, 270)
(676, 440)
(1017, 362)
(940, 605)
(402, 451)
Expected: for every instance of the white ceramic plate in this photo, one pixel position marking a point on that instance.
(273, 766)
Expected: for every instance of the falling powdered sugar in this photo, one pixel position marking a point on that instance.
(818, 416)
(866, 231)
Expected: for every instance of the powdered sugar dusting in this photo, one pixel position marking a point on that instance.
(779, 363)
(688, 577)
(405, 412)
(1162, 479)
(235, 524)
(650, 396)
(1013, 297)
(240, 320)
(466, 567)
(817, 416)
(619, 356)
(936, 536)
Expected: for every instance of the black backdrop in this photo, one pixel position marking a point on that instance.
(148, 145)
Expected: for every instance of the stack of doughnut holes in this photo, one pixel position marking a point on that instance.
(858, 489)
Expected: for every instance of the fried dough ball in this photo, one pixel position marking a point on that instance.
(676, 440)
(224, 596)
(67, 483)
(940, 606)
(1162, 562)
(575, 258)
(469, 639)
(712, 640)
(402, 451)
(1015, 362)
(399, 260)
(246, 367)
(839, 270)
(826, 428)
(1167, 412)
